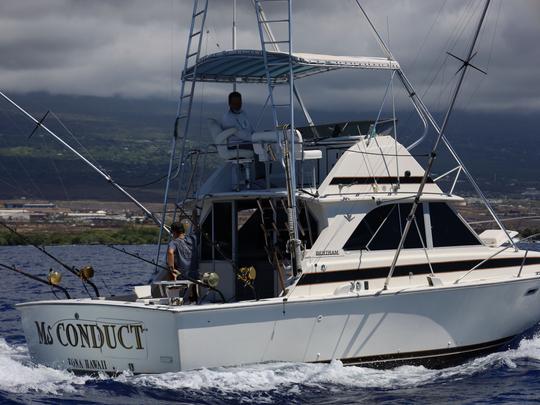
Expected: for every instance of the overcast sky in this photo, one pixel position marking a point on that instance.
(135, 48)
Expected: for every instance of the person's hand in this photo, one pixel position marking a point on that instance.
(174, 273)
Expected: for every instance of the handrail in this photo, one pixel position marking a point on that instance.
(481, 263)
(459, 168)
(523, 263)
(426, 129)
(447, 173)
(495, 254)
(456, 179)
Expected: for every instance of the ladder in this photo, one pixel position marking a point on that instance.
(185, 104)
(187, 88)
(270, 42)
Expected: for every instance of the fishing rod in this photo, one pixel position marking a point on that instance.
(193, 280)
(84, 274)
(53, 279)
(247, 276)
(106, 176)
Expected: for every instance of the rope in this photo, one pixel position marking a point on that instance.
(53, 164)
(87, 152)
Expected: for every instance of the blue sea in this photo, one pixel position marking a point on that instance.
(508, 376)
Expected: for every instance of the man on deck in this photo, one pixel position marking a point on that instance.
(182, 254)
(235, 117)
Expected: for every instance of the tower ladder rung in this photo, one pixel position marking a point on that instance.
(278, 64)
(274, 21)
(276, 42)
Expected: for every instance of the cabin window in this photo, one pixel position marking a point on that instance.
(307, 226)
(382, 228)
(217, 227)
(448, 229)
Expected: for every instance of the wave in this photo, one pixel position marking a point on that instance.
(269, 377)
(19, 375)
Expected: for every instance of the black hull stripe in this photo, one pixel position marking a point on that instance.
(405, 270)
(350, 181)
(432, 358)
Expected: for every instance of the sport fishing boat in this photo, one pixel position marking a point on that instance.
(318, 242)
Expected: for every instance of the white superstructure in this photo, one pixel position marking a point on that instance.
(319, 213)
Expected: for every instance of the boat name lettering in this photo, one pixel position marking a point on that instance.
(87, 364)
(96, 335)
(326, 253)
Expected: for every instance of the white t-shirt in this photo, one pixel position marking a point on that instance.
(241, 122)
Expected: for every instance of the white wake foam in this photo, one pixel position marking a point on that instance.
(291, 376)
(19, 375)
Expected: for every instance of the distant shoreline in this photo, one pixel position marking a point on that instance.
(125, 235)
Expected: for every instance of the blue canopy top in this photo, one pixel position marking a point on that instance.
(248, 66)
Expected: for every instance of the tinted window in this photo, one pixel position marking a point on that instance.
(221, 234)
(391, 220)
(307, 226)
(447, 228)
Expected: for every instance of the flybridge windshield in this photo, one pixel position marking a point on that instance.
(345, 129)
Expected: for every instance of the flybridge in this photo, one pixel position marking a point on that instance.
(249, 66)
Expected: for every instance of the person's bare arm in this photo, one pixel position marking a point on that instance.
(170, 261)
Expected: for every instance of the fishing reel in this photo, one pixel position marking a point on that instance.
(247, 275)
(54, 277)
(86, 273)
(211, 279)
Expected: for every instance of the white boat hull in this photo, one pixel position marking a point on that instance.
(408, 325)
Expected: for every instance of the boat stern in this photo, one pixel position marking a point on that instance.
(100, 336)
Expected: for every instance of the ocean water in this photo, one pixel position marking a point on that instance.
(511, 375)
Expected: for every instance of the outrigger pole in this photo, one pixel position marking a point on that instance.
(433, 153)
(425, 114)
(109, 179)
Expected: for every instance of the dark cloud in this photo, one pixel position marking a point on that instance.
(134, 48)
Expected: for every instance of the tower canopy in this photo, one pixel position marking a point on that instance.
(247, 65)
